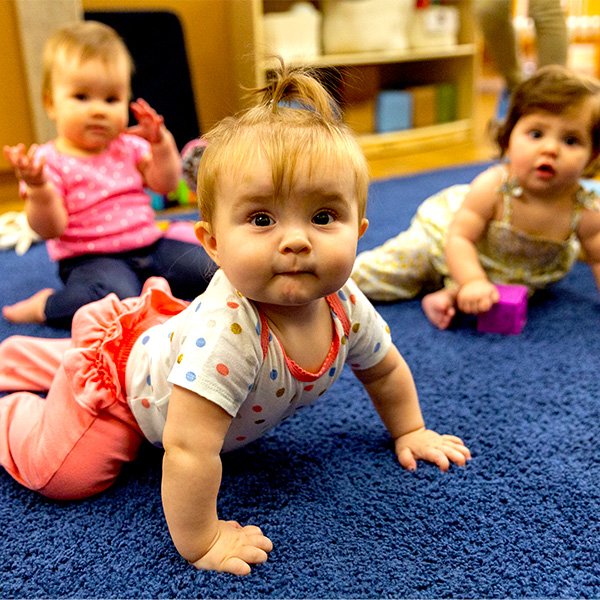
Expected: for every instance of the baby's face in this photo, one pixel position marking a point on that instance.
(291, 248)
(548, 152)
(89, 103)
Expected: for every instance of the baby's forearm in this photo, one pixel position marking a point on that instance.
(463, 260)
(164, 169)
(391, 387)
(190, 486)
(45, 211)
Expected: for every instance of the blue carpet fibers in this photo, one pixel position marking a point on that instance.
(521, 520)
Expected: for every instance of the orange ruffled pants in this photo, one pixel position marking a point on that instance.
(73, 443)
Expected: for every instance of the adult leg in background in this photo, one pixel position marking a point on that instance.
(552, 38)
(495, 19)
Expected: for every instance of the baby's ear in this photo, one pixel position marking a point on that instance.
(207, 239)
(49, 105)
(364, 224)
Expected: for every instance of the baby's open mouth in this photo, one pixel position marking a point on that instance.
(546, 168)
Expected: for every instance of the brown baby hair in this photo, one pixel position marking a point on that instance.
(556, 90)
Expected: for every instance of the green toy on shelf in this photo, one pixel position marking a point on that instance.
(182, 196)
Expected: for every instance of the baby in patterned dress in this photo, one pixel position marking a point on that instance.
(84, 191)
(521, 222)
(282, 192)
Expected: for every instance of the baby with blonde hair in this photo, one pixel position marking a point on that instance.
(282, 193)
(84, 191)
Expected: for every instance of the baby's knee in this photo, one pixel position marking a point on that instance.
(122, 288)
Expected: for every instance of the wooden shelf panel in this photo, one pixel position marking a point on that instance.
(398, 69)
(380, 57)
(420, 139)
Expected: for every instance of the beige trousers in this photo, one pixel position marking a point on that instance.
(495, 18)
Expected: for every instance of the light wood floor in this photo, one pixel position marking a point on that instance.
(480, 148)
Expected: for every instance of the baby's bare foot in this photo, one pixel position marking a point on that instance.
(439, 307)
(31, 310)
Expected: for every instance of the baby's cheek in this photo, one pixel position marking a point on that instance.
(339, 264)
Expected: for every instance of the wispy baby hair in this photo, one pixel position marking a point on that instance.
(294, 118)
(82, 40)
(556, 90)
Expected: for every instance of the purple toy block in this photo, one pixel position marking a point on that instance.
(509, 314)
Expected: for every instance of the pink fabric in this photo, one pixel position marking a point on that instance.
(104, 195)
(28, 363)
(183, 231)
(73, 443)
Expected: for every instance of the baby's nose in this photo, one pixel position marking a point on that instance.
(97, 108)
(551, 145)
(295, 240)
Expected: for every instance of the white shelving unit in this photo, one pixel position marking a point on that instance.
(456, 64)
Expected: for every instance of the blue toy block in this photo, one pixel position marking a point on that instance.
(394, 111)
(508, 315)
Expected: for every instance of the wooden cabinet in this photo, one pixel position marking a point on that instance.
(455, 64)
(15, 121)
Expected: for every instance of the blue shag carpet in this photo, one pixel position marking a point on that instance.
(522, 520)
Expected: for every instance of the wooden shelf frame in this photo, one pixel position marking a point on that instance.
(459, 63)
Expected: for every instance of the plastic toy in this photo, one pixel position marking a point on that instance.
(181, 197)
(508, 315)
(190, 158)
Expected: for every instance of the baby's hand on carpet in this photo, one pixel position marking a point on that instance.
(431, 446)
(235, 549)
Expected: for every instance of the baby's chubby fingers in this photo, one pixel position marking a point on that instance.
(448, 449)
(407, 459)
(256, 551)
(142, 110)
(14, 153)
(31, 152)
(484, 304)
(256, 537)
(251, 554)
(456, 454)
(141, 106)
(455, 449)
(433, 455)
(150, 123)
(430, 446)
(235, 549)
